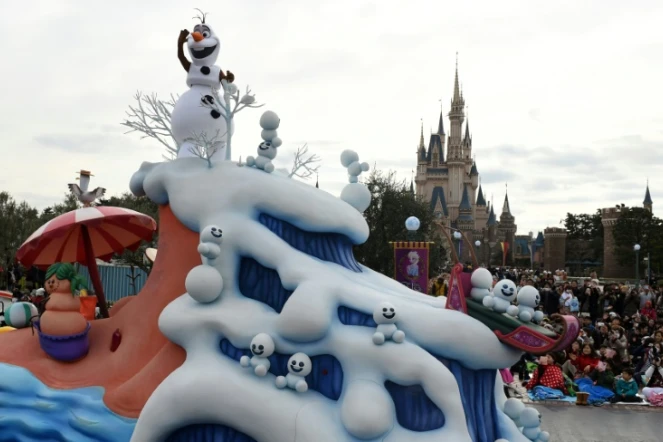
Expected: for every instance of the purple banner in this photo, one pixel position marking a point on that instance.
(411, 264)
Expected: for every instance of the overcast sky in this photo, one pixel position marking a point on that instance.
(564, 98)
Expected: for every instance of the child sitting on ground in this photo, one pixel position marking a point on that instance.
(548, 374)
(604, 375)
(626, 389)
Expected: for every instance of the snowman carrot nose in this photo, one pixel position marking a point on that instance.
(197, 36)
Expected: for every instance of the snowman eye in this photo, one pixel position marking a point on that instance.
(206, 34)
(301, 364)
(261, 347)
(384, 310)
(391, 309)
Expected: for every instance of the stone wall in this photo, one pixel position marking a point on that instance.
(611, 267)
(554, 256)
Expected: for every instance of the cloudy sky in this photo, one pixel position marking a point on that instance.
(564, 97)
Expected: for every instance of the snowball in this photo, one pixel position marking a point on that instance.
(348, 157)
(513, 408)
(269, 120)
(365, 167)
(354, 169)
(268, 135)
(412, 223)
(357, 195)
(204, 284)
(481, 278)
(276, 142)
(231, 88)
(367, 411)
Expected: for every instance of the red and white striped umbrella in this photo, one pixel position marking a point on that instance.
(111, 230)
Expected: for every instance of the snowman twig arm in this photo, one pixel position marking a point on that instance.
(186, 64)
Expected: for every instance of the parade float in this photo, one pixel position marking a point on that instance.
(257, 323)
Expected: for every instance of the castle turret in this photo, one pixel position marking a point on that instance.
(467, 142)
(421, 149)
(648, 203)
(554, 256)
(507, 228)
(480, 212)
(611, 266)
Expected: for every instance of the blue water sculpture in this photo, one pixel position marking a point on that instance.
(262, 284)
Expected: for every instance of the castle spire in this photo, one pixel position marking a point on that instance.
(440, 124)
(421, 136)
(648, 203)
(506, 208)
(457, 97)
(481, 201)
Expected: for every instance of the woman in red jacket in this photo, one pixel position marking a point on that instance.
(586, 361)
(548, 374)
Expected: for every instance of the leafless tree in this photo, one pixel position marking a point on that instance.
(206, 147)
(305, 164)
(152, 118)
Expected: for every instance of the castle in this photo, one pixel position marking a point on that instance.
(451, 186)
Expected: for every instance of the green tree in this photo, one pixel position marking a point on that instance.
(585, 236)
(17, 222)
(391, 205)
(637, 225)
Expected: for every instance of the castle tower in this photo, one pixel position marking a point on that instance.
(480, 212)
(554, 256)
(467, 143)
(648, 203)
(611, 267)
(507, 228)
(465, 222)
(455, 161)
(492, 236)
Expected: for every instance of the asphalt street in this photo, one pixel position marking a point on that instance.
(571, 423)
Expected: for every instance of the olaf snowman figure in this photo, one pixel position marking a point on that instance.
(299, 366)
(528, 300)
(504, 293)
(385, 317)
(267, 150)
(211, 238)
(190, 118)
(262, 347)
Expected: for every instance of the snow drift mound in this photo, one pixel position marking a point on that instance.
(287, 269)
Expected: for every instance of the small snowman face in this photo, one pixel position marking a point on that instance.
(203, 45)
(266, 149)
(505, 289)
(529, 297)
(385, 313)
(530, 418)
(211, 234)
(481, 278)
(300, 364)
(262, 345)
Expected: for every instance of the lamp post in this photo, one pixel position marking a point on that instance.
(457, 237)
(412, 224)
(477, 245)
(636, 248)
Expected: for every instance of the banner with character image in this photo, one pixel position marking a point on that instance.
(411, 264)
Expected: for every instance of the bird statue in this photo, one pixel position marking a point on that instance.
(85, 196)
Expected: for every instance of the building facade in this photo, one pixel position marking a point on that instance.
(447, 178)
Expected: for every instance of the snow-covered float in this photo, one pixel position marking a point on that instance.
(258, 324)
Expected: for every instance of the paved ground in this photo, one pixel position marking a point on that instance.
(571, 423)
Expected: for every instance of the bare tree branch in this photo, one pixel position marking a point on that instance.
(205, 147)
(303, 164)
(151, 117)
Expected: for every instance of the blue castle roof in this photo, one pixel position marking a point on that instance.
(438, 195)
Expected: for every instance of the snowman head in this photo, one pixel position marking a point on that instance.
(529, 297)
(530, 418)
(211, 234)
(203, 44)
(262, 345)
(481, 278)
(505, 289)
(385, 313)
(267, 149)
(300, 364)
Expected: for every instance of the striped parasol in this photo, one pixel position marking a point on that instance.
(85, 235)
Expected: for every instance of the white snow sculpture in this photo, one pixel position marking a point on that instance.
(501, 298)
(385, 317)
(210, 243)
(530, 420)
(482, 282)
(513, 408)
(350, 160)
(355, 194)
(231, 196)
(204, 283)
(528, 300)
(269, 122)
(501, 440)
(262, 347)
(299, 366)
